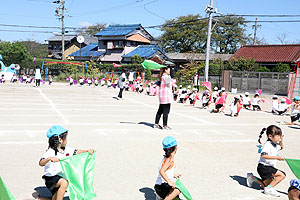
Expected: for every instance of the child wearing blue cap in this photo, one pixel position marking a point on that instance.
(57, 150)
(165, 186)
(295, 111)
(294, 189)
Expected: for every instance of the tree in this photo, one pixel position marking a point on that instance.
(241, 64)
(263, 69)
(136, 59)
(281, 37)
(35, 49)
(92, 30)
(13, 52)
(229, 34)
(281, 67)
(184, 34)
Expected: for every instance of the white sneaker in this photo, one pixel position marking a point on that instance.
(250, 179)
(271, 191)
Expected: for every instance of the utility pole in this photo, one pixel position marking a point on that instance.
(210, 10)
(61, 16)
(255, 29)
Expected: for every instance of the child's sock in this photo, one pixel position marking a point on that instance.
(270, 186)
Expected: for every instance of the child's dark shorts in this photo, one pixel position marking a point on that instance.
(205, 104)
(51, 183)
(163, 190)
(218, 106)
(295, 118)
(266, 172)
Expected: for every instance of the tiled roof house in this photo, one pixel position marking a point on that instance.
(118, 43)
(270, 55)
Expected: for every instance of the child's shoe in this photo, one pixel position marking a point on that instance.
(166, 128)
(250, 179)
(271, 191)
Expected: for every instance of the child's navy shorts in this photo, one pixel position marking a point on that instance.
(163, 190)
(266, 172)
(51, 183)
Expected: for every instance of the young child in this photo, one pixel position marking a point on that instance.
(90, 81)
(81, 80)
(255, 103)
(96, 81)
(165, 186)
(2, 78)
(57, 150)
(214, 94)
(28, 79)
(219, 105)
(205, 99)
(109, 83)
(141, 88)
(246, 101)
(24, 78)
(189, 89)
(102, 82)
(275, 103)
(270, 176)
(282, 107)
(71, 80)
(182, 96)
(15, 79)
(294, 189)
(192, 96)
(235, 106)
(295, 111)
(50, 79)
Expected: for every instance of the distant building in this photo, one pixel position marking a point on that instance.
(71, 45)
(118, 43)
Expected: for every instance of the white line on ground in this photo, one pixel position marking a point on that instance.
(53, 106)
(23, 143)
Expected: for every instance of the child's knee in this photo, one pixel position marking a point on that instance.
(63, 183)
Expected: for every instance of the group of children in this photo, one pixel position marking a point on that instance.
(26, 79)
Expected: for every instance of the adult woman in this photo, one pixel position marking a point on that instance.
(121, 84)
(37, 76)
(165, 98)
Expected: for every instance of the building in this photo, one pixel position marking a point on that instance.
(71, 45)
(118, 43)
(270, 55)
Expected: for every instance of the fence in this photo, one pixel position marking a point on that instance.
(268, 82)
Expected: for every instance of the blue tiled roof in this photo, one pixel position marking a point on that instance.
(144, 51)
(89, 50)
(118, 30)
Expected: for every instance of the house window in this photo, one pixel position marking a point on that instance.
(109, 45)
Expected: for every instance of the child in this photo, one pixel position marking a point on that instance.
(24, 78)
(102, 82)
(57, 150)
(182, 95)
(81, 80)
(294, 189)
(90, 81)
(275, 103)
(205, 100)
(255, 102)
(165, 186)
(2, 78)
(219, 105)
(96, 81)
(282, 107)
(270, 176)
(147, 90)
(246, 101)
(235, 107)
(295, 108)
(28, 79)
(15, 79)
(71, 81)
(192, 97)
(141, 88)
(108, 83)
(189, 89)
(214, 94)
(50, 80)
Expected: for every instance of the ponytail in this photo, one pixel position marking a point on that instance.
(54, 141)
(260, 135)
(168, 151)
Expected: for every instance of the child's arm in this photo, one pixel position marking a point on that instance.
(91, 151)
(44, 161)
(272, 157)
(163, 170)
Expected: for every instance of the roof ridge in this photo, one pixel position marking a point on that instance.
(272, 45)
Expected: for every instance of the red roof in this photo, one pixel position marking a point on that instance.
(287, 53)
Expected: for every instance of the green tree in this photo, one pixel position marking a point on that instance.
(35, 49)
(184, 34)
(148, 74)
(136, 59)
(229, 34)
(92, 30)
(13, 52)
(241, 64)
(281, 67)
(263, 69)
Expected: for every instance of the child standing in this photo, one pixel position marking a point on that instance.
(255, 103)
(270, 175)
(165, 186)
(57, 149)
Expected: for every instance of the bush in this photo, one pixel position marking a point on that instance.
(263, 69)
(280, 67)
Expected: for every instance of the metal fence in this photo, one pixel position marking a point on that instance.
(268, 82)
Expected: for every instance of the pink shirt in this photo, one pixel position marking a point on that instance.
(165, 90)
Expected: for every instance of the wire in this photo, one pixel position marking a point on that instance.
(29, 26)
(151, 11)
(26, 31)
(257, 15)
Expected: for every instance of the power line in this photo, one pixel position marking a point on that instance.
(26, 31)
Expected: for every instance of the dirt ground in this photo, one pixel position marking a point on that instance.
(215, 151)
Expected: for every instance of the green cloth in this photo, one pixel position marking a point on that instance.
(183, 190)
(294, 164)
(79, 171)
(149, 64)
(4, 192)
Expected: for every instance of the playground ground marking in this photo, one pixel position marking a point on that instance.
(53, 106)
(23, 143)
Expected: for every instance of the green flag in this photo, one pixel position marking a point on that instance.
(183, 190)
(79, 171)
(294, 164)
(149, 64)
(4, 192)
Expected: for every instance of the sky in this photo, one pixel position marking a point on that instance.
(147, 12)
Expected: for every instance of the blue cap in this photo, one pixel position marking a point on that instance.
(168, 142)
(297, 98)
(55, 130)
(295, 183)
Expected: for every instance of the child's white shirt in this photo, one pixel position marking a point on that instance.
(294, 111)
(54, 168)
(214, 94)
(271, 149)
(233, 108)
(282, 107)
(71, 80)
(81, 80)
(89, 81)
(205, 99)
(246, 100)
(255, 101)
(96, 81)
(275, 104)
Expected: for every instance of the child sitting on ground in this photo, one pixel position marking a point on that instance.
(270, 175)
(255, 103)
(89, 81)
(81, 80)
(214, 94)
(295, 111)
(282, 107)
(28, 79)
(192, 97)
(71, 80)
(15, 79)
(96, 81)
(275, 103)
(24, 78)
(2, 78)
(246, 101)
(205, 100)
(50, 80)
(165, 186)
(108, 83)
(235, 107)
(53, 175)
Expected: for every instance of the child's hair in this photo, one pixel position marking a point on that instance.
(271, 130)
(236, 100)
(53, 141)
(168, 151)
(256, 95)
